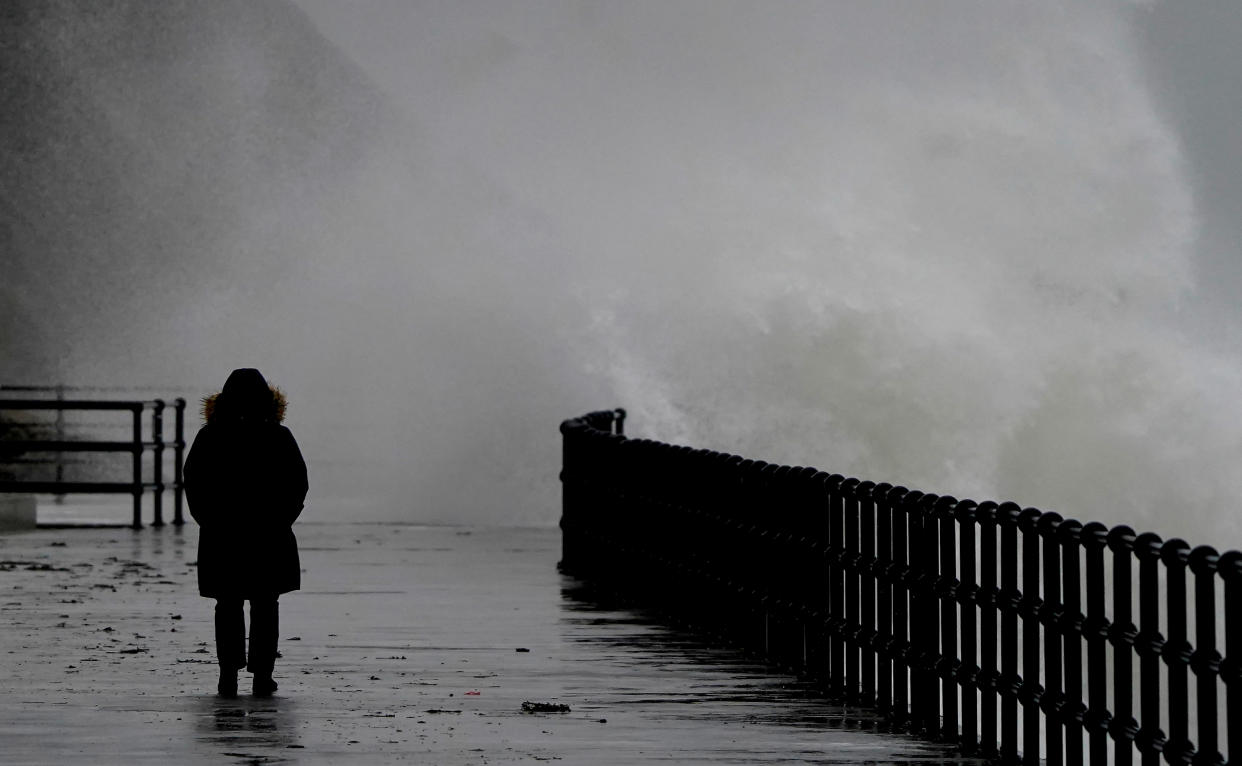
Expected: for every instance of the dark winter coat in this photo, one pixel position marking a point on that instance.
(245, 481)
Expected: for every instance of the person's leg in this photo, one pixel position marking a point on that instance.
(264, 627)
(230, 642)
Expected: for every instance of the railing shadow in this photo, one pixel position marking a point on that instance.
(647, 642)
(261, 729)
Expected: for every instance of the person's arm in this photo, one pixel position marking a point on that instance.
(296, 484)
(196, 476)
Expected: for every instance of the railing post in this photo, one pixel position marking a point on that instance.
(867, 588)
(1096, 628)
(178, 461)
(1032, 691)
(732, 567)
(849, 491)
(1050, 615)
(924, 552)
(1231, 666)
(820, 582)
(762, 537)
(753, 637)
(811, 542)
(902, 651)
(1206, 659)
(1150, 646)
(136, 449)
(836, 589)
(157, 462)
(947, 664)
(989, 635)
(1072, 710)
(1176, 652)
(917, 631)
(885, 572)
(1123, 634)
(968, 598)
(810, 557)
(1010, 603)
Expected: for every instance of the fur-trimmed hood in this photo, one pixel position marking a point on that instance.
(248, 392)
(279, 403)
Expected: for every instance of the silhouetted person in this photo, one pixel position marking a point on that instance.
(245, 482)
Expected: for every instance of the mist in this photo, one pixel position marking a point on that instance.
(962, 247)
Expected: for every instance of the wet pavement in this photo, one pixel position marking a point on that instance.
(406, 644)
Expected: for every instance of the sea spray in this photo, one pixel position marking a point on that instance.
(968, 285)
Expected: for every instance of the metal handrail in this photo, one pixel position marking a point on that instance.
(137, 445)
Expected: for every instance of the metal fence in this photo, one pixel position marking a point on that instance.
(23, 439)
(1008, 632)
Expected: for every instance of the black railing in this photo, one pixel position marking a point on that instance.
(12, 449)
(1008, 632)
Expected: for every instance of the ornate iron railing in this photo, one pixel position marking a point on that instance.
(1008, 632)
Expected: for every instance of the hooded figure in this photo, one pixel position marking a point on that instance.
(245, 482)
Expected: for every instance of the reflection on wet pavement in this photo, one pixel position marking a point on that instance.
(248, 727)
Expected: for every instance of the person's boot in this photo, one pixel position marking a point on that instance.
(228, 683)
(264, 686)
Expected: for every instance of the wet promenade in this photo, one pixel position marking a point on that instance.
(407, 644)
